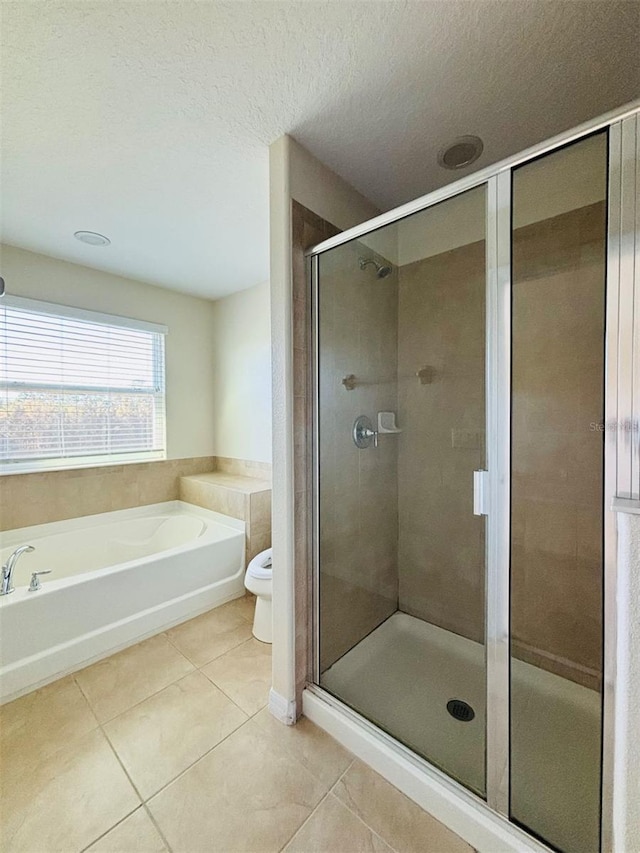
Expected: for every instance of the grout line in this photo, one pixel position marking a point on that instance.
(305, 821)
(121, 763)
(84, 696)
(106, 832)
(226, 695)
(140, 702)
(343, 774)
(216, 657)
(193, 763)
(362, 820)
(157, 826)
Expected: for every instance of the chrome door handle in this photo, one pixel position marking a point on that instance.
(481, 492)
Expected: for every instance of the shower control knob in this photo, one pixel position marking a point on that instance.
(364, 433)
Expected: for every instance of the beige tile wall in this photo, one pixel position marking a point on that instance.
(558, 381)
(27, 499)
(244, 467)
(358, 488)
(307, 230)
(441, 543)
(246, 498)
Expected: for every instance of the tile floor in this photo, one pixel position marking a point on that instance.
(169, 746)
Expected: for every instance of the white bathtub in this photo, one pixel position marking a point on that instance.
(116, 577)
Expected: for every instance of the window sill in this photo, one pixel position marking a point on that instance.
(84, 462)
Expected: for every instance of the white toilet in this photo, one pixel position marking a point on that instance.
(258, 580)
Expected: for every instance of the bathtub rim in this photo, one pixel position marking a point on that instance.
(20, 535)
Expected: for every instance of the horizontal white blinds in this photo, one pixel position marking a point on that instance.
(77, 392)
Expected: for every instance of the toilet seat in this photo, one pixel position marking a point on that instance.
(258, 580)
(261, 567)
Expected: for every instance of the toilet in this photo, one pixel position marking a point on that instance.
(258, 580)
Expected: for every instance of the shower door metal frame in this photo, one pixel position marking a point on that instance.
(498, 418)
(622, 283)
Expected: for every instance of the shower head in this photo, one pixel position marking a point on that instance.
(382, 270)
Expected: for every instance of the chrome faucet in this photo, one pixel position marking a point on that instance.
(7, 569)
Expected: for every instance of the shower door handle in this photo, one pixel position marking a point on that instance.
(481, 492)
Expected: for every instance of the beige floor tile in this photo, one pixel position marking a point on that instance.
(244, 674)
(166, 733)
(332, 828)
(67, 801)
(121, 681)
(402, 824)
(247, 794)
(245, 606)
(208, 636)
(136, 834)
(312, 746)
(36, 725)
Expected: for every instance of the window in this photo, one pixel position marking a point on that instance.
(77, 388)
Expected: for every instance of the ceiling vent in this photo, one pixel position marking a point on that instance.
(92, 238)
(462, 152)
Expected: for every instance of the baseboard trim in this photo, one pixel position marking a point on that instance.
(282, 709)
(447, 801)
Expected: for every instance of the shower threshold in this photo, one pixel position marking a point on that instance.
(402, 676)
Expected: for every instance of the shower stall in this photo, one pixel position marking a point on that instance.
(468, 385)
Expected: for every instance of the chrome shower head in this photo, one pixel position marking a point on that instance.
(382, 270)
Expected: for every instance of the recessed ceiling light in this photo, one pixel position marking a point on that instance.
(462, 152)
(92, 238)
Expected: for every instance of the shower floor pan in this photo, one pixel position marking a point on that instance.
(403, 674)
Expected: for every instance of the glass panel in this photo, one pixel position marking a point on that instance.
(559, 234)
(402, 556)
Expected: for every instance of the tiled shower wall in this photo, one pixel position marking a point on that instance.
(441, 543)
(558, 455)
(358, 487)
(359, 557)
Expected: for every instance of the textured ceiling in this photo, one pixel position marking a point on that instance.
(150, 121)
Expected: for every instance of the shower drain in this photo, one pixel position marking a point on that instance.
(460, 710)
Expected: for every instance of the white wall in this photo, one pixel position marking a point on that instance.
(189, 344)
(627, 712)
(242, 363)
(293, 174)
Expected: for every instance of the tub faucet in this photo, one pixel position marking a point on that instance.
(7, 569)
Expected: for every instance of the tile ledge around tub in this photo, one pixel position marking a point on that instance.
(234, 482)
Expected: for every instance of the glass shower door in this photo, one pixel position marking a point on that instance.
(401, 429)
(558, 328)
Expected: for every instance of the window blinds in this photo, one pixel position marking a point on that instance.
(78, 388)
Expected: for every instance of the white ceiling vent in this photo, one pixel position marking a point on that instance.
(462, 152)
(92, 238)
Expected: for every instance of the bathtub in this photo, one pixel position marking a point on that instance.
(116, 578)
